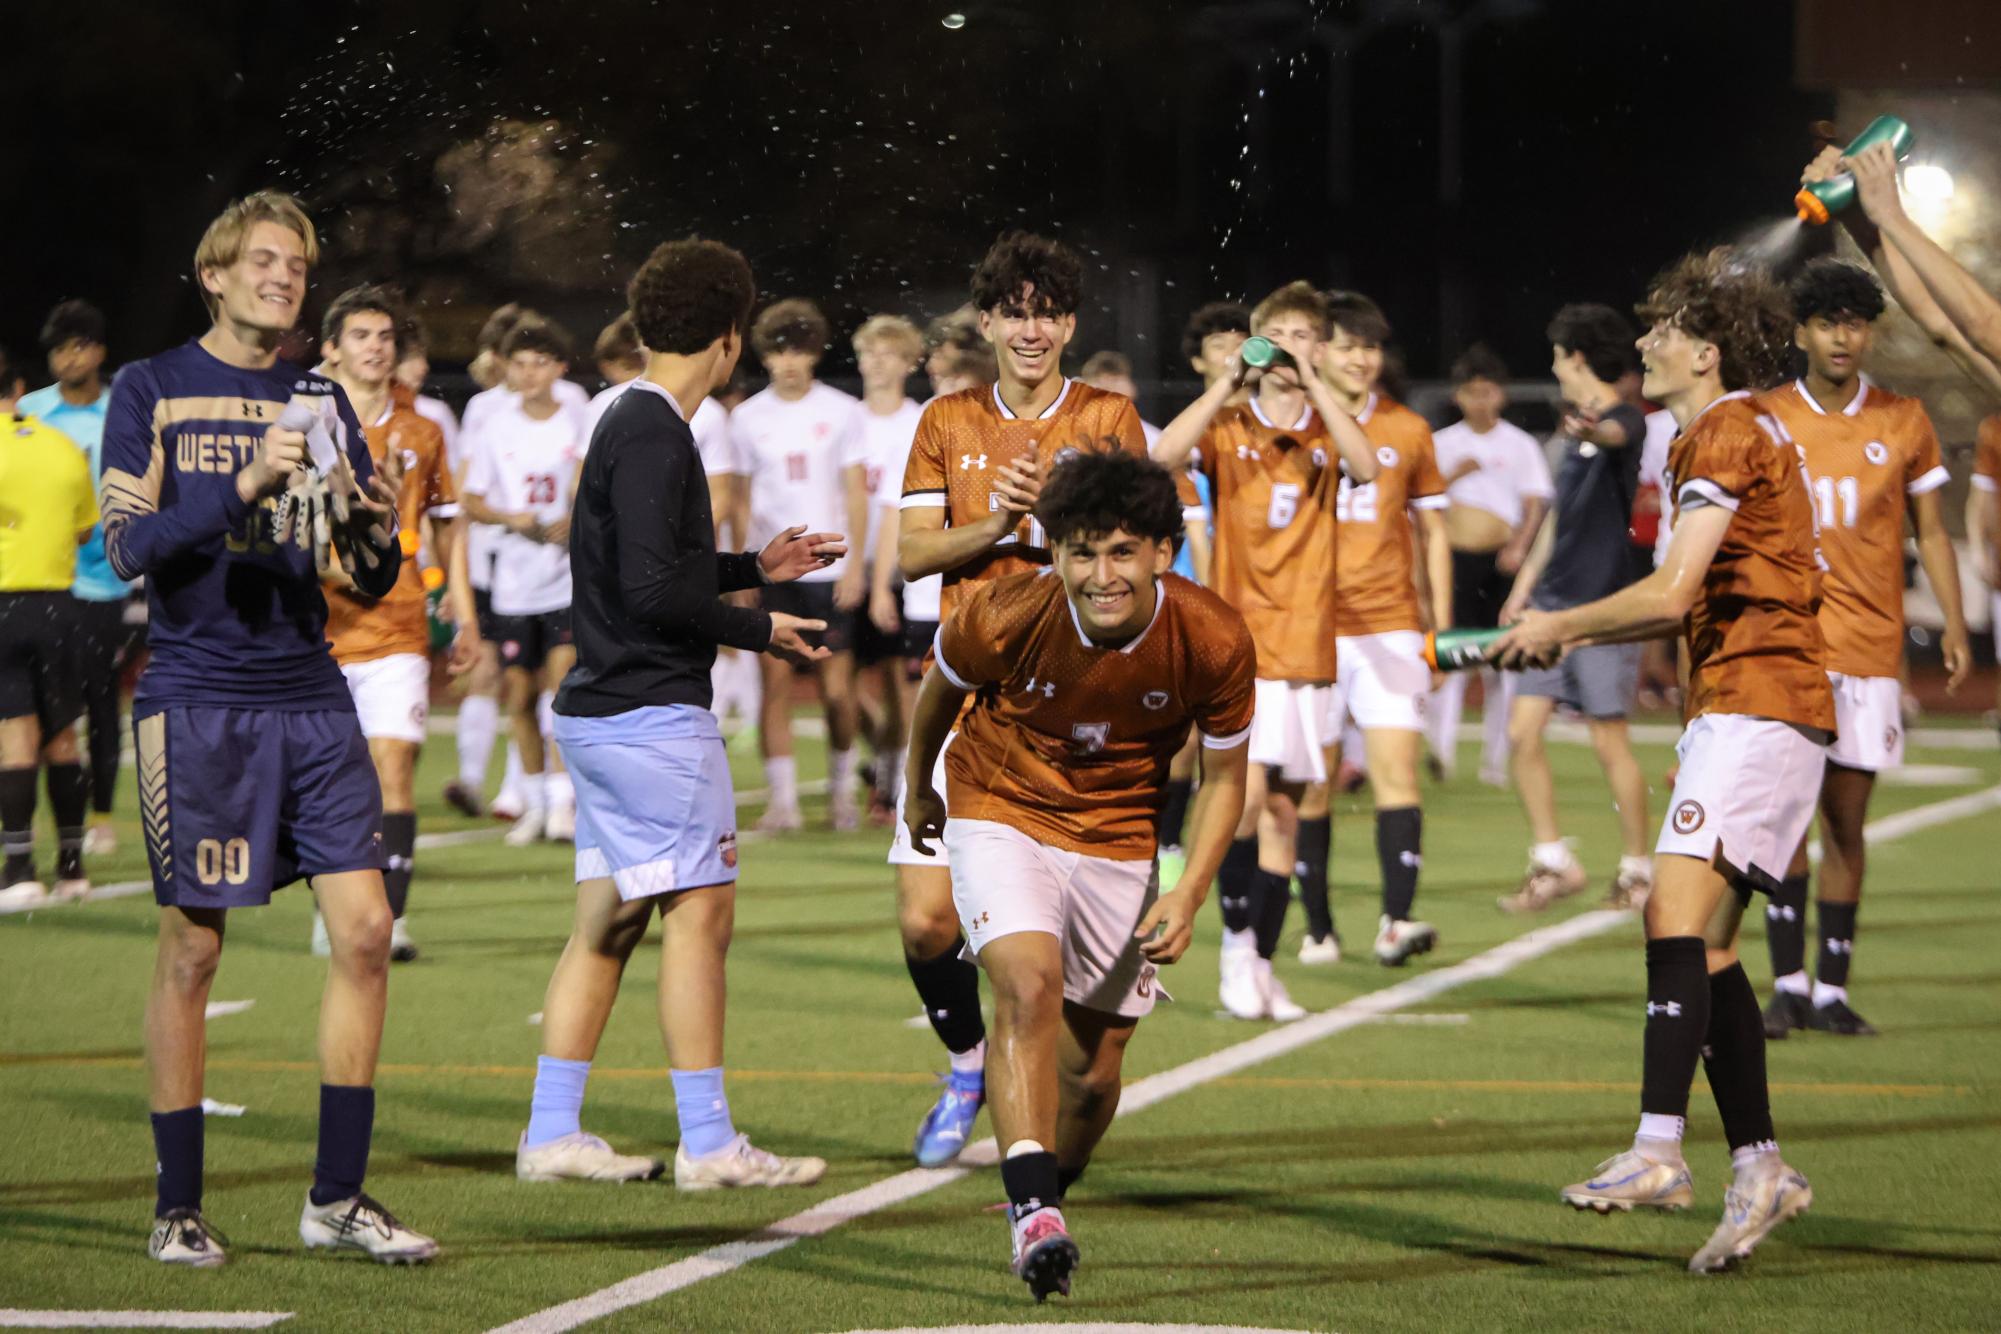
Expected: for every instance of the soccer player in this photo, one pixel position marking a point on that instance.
(413, 368)
(48, 509)
(1983, 518)
(73, 338)
(1872, 459)
(252, 768)
(969, 493)
(522, 479)
(1274, 466)
(789, 439)
(1379, 617)
(1082, 683)
(383, 644)
(656, 817)
(1497, 483)
(1589, 556)
(1739, 582)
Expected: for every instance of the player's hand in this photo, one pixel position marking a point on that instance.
(465, 650)
(849, 589)
(796, 553)
(1017, 486)
(1825, 163)
(557, 534)
(280, 456)
(1168, 927)
(1242, 374)
(1508, 560)
(1958, 655)
(1580, 425)
(523, 524)
(1875, 175)
(788, 639)
(1512, 609)
(1530, 642)
(884, 611)
(924, 813)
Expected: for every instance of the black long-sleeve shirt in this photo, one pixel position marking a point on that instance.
(646, 579)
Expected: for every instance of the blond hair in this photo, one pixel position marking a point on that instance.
(894, 330)
(222, 244)
(1295, 298)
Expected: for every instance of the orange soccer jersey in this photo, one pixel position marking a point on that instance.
(1754, 643)
(399, 621)
(1861, 464)
(1273, 490)
(1987, 461)
(963, 439)
(1373, 591)
(1069, 742)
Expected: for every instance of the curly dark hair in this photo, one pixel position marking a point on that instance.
(1479, 362)
(688, 294)
(1214, 318)
(73, 320)
(1721, 298)
(1600, 334)
(1019, 261)
(1358, 317)
(538, 335)
(375, 298)
(1831, 288)
(1093, 493)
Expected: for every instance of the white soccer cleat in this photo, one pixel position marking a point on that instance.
(1396, 942)
(22, 895)
(844, 814)
(184, 1237)
(580, 1157)
(1315, 953)
(507, 805)
(1630, 889)
(402, 949)
(1543, 885)
(1044, 1254)
(72, 890)
(780, 820)
(1630, 1180)
(1279, 1004)
(1758, 1200)
(740, 1163)
(528, 829)
(360, 1224)
(322, 945)
(1238, 986)
(561, 824)
(100, 840)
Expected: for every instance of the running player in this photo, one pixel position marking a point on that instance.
(1872, 459)
(383, 644)
(1379, 615)
(789, 439)
(252, 769)
(1740, 582)
(968, 495)
(1082, 682)
(1273, 465)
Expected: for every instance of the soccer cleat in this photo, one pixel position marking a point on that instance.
(1239, 988)
(69, 889)
(1325, 950)
(950, 1120)
(322, 945)
(780, 820)
(1279, 1004)
(1758, 1200)
(1786, 1011)
(463, 799)
(100, 840)
(1396, 942)
(841, 812)
(1630, 1180)
(1630, 889)
(184, 1237)
(22, 895)
(1044, 1254)
(530, 828)
(507, 806)
(360, 1224)
(580, 1157)
(1542, 886)
(561, 825)
(740, 1163)
(1835, 1017)
(402, 949)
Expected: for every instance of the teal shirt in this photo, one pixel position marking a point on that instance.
(95, 581)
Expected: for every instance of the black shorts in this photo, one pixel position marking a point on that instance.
(526, 641)
(1479, 588)
(489, 624)
(105, 643)
(814, 602)
(38, 669)
(873, 644)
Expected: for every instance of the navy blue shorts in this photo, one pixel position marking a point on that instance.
(240, 802)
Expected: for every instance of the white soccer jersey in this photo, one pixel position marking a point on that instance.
(881, 445)
(1661, 431)
(1512, 468)
(439, 412)
(483, 539)
(792, 455)
(711, 425)
(528, 466)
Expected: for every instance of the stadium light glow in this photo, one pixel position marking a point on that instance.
(1928, 183)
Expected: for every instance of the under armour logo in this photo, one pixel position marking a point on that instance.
(252, 408)
(1781, 912)
(1048, 688)
(1838, 946)
(1410, 859)
(1246, 452)
(968, 462)
(1672, 1009)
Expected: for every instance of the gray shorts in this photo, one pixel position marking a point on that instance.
(1598, 681)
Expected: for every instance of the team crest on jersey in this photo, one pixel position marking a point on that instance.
(1319, 458)
(1386, 456)
(1154, 699)
(1065, 454)
(1688, 817)
(1876, 452)
(726, 846)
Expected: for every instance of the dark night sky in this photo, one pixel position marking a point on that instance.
(864, 154)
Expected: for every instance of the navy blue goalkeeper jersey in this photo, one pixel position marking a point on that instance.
(236, 620)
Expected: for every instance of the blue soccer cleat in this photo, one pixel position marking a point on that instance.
(950, 1120)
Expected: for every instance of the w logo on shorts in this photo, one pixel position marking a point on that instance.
(726, 846)
(1688, 817)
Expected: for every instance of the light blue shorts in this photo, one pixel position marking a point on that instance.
(655, 809)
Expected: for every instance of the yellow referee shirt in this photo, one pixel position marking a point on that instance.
(48, 505)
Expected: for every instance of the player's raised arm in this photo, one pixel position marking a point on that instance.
(925, 544)
(1358, 455)
(1180, 437)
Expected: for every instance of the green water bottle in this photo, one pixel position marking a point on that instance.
(1459, 650)
(1823, 199)
(1261, 354)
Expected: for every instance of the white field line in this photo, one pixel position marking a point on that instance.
(1893, 827)
(14, 1318)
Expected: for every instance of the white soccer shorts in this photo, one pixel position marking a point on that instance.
(901, 853)
(1384, 680)
(1745, 795)
(1868, 722)
(1004, 882)
(1291, 726)
(392, 696)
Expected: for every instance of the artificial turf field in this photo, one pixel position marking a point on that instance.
(1389, 1175)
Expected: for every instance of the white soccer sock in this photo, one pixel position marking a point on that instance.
(479, 725)
(1823, 994)
(1795, 983)
(1751, 1156)
(1021, 1146)
(972, 1061)
(1555, 856)
(1441, 720)
(841, 774)
(781, 776)
(1497, 694)
(557, 788)
(511, 780)
(1637, 866)
(545, 715)
(1658, 1136)
(534, 796)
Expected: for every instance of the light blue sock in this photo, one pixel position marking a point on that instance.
(703, 1109)
(559, 1099)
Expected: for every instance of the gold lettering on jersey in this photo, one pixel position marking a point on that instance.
(206, 452)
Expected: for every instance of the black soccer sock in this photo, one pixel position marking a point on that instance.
(1677, 1023)
(105, 739)
(17, 822)
(177, 1150)
(1271, 894)
(347, 1124)
(399, 849)
(1785, 926)
(1233, 884)
(1837, 942)
(949, 986)
(1734, 1059)
(1066, 1177)
(1031, 1183)
(1316, 836)
(69, 798)
(1173, 812)
(1400, 852)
